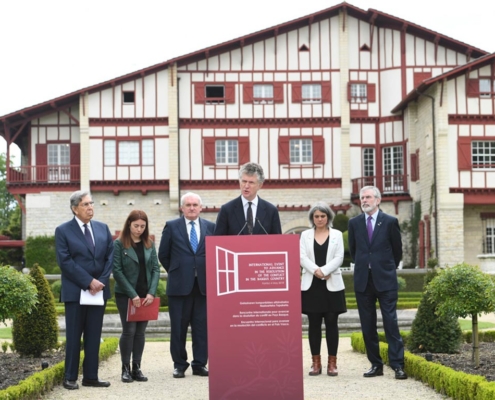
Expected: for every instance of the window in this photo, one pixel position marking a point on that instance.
(262, 94)
(488, 226)
(311, 92)
(227, 152)
(59, 162)
(393, 169)
(301, 151)
(214, 93)
(483, 87)
(128, 97)
(369, 167)
(129, 152)
(483, 154)
(361, 92)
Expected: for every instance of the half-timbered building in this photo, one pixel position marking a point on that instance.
(326, 103)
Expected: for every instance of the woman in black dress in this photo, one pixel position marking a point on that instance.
(322, 286)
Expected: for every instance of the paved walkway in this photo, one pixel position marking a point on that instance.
(157, 365)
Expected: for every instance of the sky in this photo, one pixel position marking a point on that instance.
(53, 47)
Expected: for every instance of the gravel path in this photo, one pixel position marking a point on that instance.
(158, 367)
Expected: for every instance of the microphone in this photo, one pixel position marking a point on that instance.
(242, 229)
(262, 227)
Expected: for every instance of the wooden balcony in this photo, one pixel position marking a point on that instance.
(43, 175)
(389, 185)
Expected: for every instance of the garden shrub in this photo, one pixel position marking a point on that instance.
(431, 332)
(17, 291)
(37, 332)
(41, 250)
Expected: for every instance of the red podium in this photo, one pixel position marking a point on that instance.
(254, 317)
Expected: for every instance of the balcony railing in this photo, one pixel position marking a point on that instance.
(387, 184)
(32, 174)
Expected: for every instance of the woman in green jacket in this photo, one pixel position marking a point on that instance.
(136, 272)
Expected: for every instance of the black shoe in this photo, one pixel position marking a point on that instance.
(126, 373)
(137, 374)
(179, 373)
(201, 371)
(375, 370)
(71, 385)
(95, 383)
(399, 373)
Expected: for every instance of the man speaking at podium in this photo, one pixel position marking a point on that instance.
(248, 214)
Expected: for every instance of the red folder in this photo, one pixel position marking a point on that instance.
(143, 313)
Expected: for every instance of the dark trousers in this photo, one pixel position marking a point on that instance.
(366, 302)
(132, 339)
(86, 321)
(185, 311)
(331, 332)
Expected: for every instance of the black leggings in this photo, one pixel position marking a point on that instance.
(331, 332)
(132, 338)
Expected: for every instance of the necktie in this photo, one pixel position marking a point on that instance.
(89, 239)
(369, 227)
(193, 238)
(249, 219)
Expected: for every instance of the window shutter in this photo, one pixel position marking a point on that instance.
(209, 151)
(318, 150)
(473, 88)
(278, 92)
(41, 162)
(297, 92)
(371, 93)
(464, 153)
(326, 92)
(75, 161)
(199, 93)
(419, 77)
(229, 93)
(247, 93)
(414, 167)
(283, 150)
(243, 150)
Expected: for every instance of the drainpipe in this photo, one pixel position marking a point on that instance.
(434, 165)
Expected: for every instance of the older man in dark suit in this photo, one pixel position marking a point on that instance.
(84, 251)
(376, 248)
(248, 214)
(182, 254)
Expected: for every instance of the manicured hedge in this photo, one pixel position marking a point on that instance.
(414, 280)
(43, 381)
(444, 380)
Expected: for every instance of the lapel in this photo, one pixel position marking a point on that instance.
(310, 238)
(131, 253)
(202, 234)
(239, 213)
(260, 215)
(378, 224)
(183, 232)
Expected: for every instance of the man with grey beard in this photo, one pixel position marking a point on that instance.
(376, 247)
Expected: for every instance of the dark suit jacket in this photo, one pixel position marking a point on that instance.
(178, 258)
(78, 263)
(383, 254)
(126, 269)
(231, 219)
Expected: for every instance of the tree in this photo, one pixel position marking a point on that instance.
(430, 332)
(18, 293)
(12, 255)
(7, 201)
(37, 332)
(461, 291)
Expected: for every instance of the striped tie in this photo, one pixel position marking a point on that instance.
(193, 238)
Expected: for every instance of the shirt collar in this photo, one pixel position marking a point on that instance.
(245, 201)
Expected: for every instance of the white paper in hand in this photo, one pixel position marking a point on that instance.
(87, 299)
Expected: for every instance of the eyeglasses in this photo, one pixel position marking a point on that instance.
(87, 204)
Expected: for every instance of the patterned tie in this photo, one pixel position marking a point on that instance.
(193, 238)
(249, 219)
(89, 239)
(369, 227)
